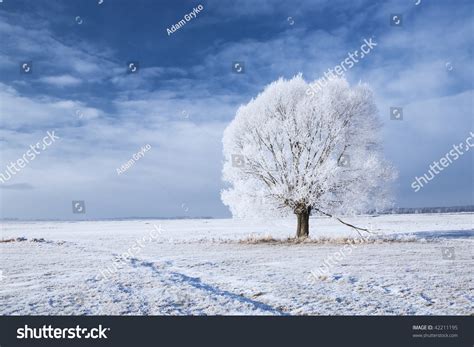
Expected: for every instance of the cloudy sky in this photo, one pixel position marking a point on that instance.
(185, 93)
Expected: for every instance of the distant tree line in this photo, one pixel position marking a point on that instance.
(409, 210)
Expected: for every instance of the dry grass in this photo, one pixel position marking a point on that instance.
(268, 239)
(18, 239)
(38, 240)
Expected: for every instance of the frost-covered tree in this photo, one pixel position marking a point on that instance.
(293, 150)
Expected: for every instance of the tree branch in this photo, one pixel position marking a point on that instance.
(358, 229)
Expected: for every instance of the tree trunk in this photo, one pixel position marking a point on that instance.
(302, 228)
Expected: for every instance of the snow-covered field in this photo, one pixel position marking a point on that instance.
(194, 267)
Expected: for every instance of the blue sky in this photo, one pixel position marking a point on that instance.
(185, 93)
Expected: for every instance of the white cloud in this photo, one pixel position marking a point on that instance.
(40, 112)
(61, 80)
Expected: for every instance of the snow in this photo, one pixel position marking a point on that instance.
(199, 267)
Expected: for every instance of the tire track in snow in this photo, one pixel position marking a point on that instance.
(211, 292)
